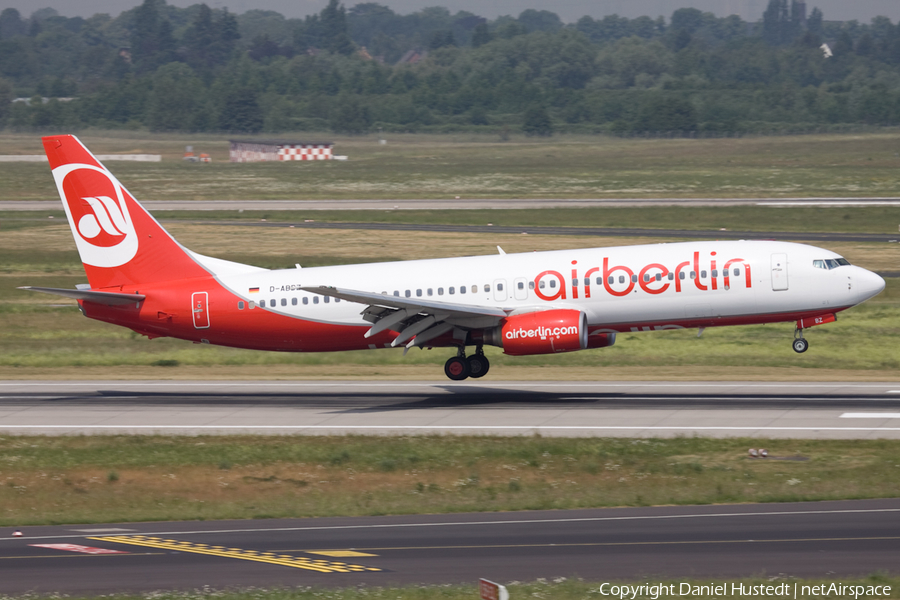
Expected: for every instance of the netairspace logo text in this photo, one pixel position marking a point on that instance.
(782, 590)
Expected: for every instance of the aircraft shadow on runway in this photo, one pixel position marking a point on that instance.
(456, 397)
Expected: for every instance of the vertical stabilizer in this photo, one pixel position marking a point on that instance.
(119, 242)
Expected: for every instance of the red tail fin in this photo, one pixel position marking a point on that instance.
(119, 242)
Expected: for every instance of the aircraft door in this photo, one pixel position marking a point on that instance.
(500, 292)
(520, 288)
(199, 308)
(779, 272)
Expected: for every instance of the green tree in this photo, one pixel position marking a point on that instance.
(241, 112)
(176, 99)
(481, 35)
(349, 115)
(333, 19)
(536, 121)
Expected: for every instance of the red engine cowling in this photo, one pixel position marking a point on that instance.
(543, 332)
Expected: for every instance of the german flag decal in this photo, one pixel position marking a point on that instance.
(254, 290)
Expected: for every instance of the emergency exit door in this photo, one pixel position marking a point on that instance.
(199, 307)
(779, 272)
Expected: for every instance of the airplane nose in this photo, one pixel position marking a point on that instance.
(869, 284)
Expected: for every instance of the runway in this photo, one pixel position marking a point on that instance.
(824, 539)
(466, 203)
(715, 234)
(573, 409)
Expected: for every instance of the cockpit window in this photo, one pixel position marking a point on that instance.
(831, 263)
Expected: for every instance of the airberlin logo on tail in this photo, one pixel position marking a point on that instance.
(95, 205)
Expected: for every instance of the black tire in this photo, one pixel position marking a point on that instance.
(478, 365)
(800, 345)
(456, 368)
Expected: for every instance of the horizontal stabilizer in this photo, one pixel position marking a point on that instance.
(109, 298)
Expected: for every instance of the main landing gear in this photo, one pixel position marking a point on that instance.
(461, 366)
(800, 345)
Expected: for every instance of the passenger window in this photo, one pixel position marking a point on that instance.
(552, 283)
(542, 284)
(419, 293)
(681, 275)
(715, 273)
(430, 292)
(703, 274)
(327, 299)
(693, 275)
(305, 300)
(530, 285)
(397, 293)
(240, 306)
(441, 291)
(252, 305)
(575, 283)
(315, 299)
(611, 280)
(599, 281)
(646, 277)
(659, 276)
(521, 285)
(336, 300)
(499, 287)
(671, 276)
(262, 303)
(634, 279)
(737, 272)
(462, 289)
(284, 301)
(452, 291)
(487, 288)
(408, 293)
(294, 301)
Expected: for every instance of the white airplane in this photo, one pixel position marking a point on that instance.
(535, 303)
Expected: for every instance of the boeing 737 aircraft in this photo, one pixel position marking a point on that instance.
(535, 303)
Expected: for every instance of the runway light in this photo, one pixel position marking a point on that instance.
(754, 453)
(17, 533)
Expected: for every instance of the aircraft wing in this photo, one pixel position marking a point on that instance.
(418, 320)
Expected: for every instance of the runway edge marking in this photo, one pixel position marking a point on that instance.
(285, 560)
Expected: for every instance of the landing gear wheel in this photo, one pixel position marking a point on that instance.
(800, 345)
(478, 365)
(457, 368)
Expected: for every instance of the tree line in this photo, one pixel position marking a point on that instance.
(368, 68)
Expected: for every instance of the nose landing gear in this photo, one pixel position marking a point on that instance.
(800, 345)
(461, 367)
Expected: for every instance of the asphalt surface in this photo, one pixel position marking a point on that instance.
(825, 539)
(573, 409)
(717, 234)
(465, 203)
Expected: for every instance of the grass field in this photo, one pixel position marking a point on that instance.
(482, 166)
(557, 589)
(92, 479)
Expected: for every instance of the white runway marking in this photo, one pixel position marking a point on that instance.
(870, 416)
(446, 427)
(481, 523)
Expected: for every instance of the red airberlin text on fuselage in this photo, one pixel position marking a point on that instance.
(652, 278)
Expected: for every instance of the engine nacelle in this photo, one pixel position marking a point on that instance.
(542, 332)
